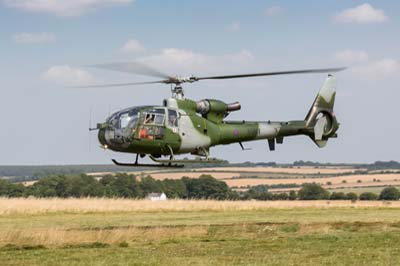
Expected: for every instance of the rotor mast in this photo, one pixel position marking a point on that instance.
(178, 92)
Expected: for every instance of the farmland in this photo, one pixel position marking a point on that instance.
(139, 232)
(112, 231)
(345, 178)
(332, 178)
(240, 177)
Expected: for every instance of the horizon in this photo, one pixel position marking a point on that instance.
(244, 162)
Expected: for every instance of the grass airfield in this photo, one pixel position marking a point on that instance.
(139, 232)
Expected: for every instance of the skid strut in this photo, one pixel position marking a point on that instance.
(158, 164)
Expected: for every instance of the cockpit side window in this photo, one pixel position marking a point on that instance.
(159, 120)
(156, 111)
(154, 117)
(172, 118)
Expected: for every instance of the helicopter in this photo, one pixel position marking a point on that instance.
(184, 126)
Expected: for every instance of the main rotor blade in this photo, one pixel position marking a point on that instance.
(121, 84)
(133, 68)
(321, 70)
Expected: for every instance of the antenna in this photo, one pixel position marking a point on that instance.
(90, 129)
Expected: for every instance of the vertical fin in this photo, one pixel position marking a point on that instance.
(321, 118)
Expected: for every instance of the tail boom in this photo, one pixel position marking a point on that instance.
(320, 123)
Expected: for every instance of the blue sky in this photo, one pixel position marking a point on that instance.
(46, 44)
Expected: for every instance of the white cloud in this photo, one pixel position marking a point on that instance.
(273, 11)
(132, 46)
(364, 13)
(179, 61)
(34, 38)
(64, 8)
(235, 26)
(67, 76)
(351, 57)
(380, 69)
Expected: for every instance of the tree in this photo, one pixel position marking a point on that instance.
(390, 193)
(78, 186)
(206, 187)
(149, 185)
(8, 189)
(351, 196)
(368, 196)
(233, 195)
(259, 192)
(312, 191)
(121, 185)
(49, 186)
(292, 195)
(337, 196)
(281, 196)
(174, 188)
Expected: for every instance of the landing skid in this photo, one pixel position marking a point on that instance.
(147, 165)
(166, 161)
(171, 162)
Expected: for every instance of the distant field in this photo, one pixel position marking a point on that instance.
(359, 190)
(289, 170)
(179, 175)
(350, 180)
(130, 232)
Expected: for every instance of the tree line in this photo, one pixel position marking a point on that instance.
(124, 185)
(118, 186)
(312, 191)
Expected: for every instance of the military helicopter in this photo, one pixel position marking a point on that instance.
(182, 126)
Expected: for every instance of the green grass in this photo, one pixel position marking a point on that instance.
(299, 236)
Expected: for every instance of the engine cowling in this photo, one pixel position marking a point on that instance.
(216, 110)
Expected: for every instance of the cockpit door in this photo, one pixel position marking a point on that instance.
(152, 124)
(173, 120)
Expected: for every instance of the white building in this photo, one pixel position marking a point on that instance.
(156, 196)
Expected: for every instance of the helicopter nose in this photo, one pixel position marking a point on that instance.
(102, 137)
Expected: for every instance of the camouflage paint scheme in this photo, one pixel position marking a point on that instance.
(197, 128)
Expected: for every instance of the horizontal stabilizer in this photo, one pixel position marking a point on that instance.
(320, 143)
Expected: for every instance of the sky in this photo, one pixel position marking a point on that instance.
(46, 46)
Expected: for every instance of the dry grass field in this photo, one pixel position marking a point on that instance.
(232, 172)
(350, 180)
(289, 170)
(179, 175)
(139, 232)
(24, 206)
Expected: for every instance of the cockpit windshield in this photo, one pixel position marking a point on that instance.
(125, 118)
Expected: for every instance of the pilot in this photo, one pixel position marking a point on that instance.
(143, 133)
(173, 120)
(149, 119)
